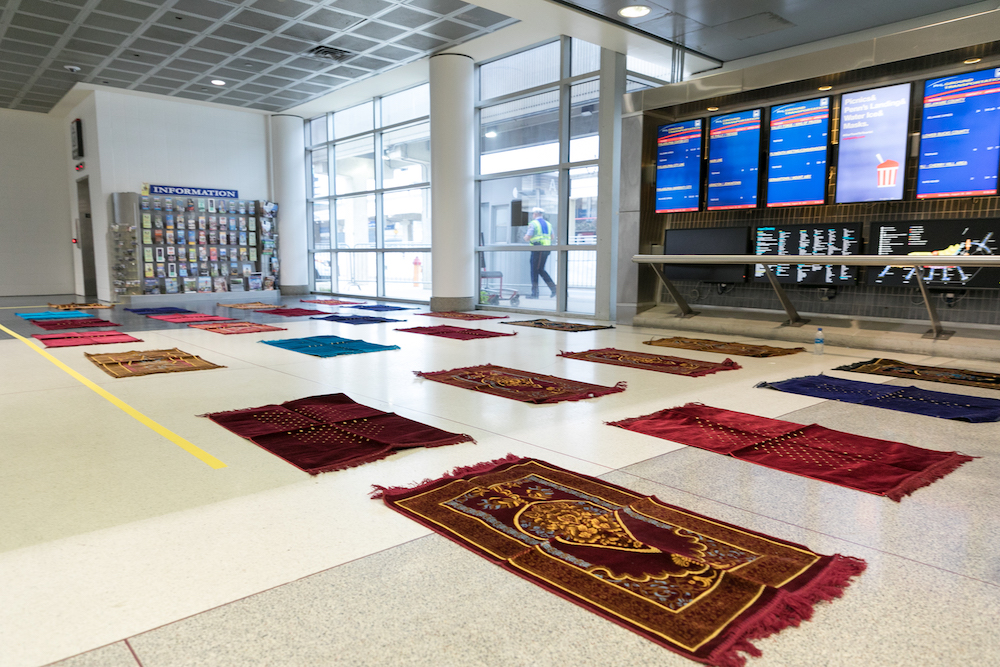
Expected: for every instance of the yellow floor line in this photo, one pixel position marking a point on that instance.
(122, 405)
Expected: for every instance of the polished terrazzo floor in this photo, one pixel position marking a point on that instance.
(118, 548)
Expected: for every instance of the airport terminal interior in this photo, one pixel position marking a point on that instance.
(432, 412)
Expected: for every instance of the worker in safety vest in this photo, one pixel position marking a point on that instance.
(540, 234)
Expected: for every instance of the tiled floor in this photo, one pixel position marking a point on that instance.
(118, 548)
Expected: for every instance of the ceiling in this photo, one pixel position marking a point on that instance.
(733, 29)
(258, 47)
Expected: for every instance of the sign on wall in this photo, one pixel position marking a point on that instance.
(148, 189)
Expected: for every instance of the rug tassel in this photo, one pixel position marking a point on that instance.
(379, 492)
(928, 476)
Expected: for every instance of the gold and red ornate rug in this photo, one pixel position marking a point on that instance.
(235, 327)
(558, 326)
(653, 362)
(256, 305)
(456, 333)
(698, 586)
(740, 349)
(78, 306)
(147, 362)
(331, 302)
(454, 315)
(521, 386)
(902, 369)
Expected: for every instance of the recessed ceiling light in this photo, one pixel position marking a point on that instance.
(971, 61)
(713, 108)
(633, 11)
(825, 88)
(490, 134)
(218, 82)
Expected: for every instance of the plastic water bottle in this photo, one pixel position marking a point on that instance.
(818, 341)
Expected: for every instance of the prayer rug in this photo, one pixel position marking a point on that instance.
(653, 362)
(187, 318)
(166, 310)
(78, 306)
(74, 338)
(451, 314)
(457, 333)
(740, 349)
(256, 305)
(881, 467)
(53, 325)
(292, 312)
(328, 346)
(355, 319)
(331, 302)
(147, 362)
(901, 369)
(48, 315)
(904, 399)
(519, 385)
(380, 308)
(235, 327)
(558, 326)
(331, 432)
(698, 586)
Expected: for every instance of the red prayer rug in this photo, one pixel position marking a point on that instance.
(880, 467)
(292, 312)
(741, 349)
(187, 318)
(74, 338)
(331, 302)
(236, 327)
(147, 362)
(451, 314)
(55, 325)
(558, 326)
(901, 369)
(520, 385)
(331, 432)
(653, 362)
(701, 587)
(457, 333)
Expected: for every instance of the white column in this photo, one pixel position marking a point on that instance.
(453, 209)
(612, 88)
(288, 172)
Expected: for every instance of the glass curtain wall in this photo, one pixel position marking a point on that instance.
(369, 198)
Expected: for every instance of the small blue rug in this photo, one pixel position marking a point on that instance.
(381, 308)
(328, 346)
(355, 319)
(167, 310)
(904, 399)
(54, 315)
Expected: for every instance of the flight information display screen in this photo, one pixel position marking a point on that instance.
(872, 150)
(960, 136)
(958, 238)
(678, 167)
(796, 156)
(822, 239)
(733, 160)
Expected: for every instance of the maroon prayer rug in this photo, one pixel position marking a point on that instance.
(235, 327)
(902, 369)
(331, 302)
(292, 312)
(451, 314)
(187, 318)
(148, 362)
(331, 432)
(74, 338)
(653, 362)
(701, 587)
(558, 326)
(458, 333)
(741, 349)
(79, 323)
(519, 385)
(881, 467)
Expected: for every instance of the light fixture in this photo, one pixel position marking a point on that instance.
(713, 108)
(825, 88)
(218, 82)
(490, 134)
(71, 68)
(971, 61)
(633, 11)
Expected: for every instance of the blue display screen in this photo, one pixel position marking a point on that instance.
(678, 167)
(872, 154)
(796, 157)
(960, 136)
(733, 160)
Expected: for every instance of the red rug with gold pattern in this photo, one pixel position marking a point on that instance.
(331, 302)
(74, 338)
(454, 315)
(519, 385)
(881, 467)
(740, 349)
(187, 318)
(698, 586)
(235, 327)
(456, 333)
(653, 362)
(76, 323)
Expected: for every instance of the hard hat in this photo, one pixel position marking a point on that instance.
(537, 209)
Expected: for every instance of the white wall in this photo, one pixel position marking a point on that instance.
(35, 229)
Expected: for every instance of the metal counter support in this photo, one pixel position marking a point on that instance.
(793, 315)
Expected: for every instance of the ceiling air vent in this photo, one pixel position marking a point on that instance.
(329, 53)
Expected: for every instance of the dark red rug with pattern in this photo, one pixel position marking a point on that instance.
(522, 386)
(454, 315)
(79, 323)
(292, 312)
(653, 362)
(75, 338)
(235, 327)
(456, 333)
(188, 318)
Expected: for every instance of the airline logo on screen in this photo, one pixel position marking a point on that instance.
(188, 192)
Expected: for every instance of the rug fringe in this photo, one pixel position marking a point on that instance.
(456, 440)
(424, 374)
(625, 423)
(380, 492)
(355, 462)
(928, 476)
(789, 610)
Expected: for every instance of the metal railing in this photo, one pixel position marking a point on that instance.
(936, 332)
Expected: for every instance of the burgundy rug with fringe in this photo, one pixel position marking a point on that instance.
(77, 323)
(331, 302)
(74, 338)
(456, 333)
(880, 467)
(740, 349)
(700, 587)
(187, 318)
(653, 362)
(331, 432)
(519, 385)
(292, 312)
(454, 315)
(558, 326)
